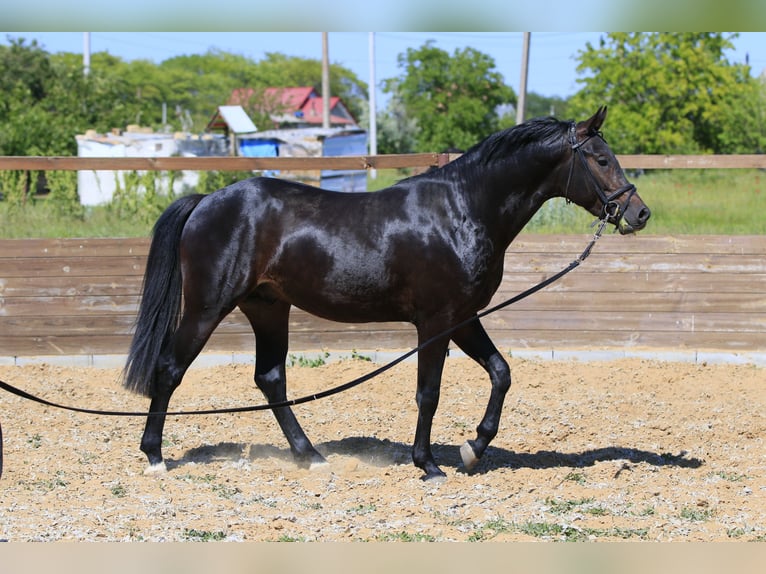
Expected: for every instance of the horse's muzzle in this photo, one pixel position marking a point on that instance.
(633, 220)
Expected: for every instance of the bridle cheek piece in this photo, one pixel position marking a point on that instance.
(611, 211)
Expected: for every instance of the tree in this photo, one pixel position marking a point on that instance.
(538, 105)
(46, 100)
(669, 93)
(451, 98)
(396, 130)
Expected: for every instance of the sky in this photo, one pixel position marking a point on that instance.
(552, 55)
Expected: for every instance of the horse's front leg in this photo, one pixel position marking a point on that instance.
(430, 367)
(475, 342)
(270, 325)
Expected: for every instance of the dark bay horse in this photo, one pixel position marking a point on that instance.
(428, 250)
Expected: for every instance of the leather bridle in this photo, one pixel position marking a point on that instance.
(611, 210)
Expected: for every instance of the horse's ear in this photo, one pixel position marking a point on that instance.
(593, 124)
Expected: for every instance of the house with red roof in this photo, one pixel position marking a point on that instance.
(294, 107)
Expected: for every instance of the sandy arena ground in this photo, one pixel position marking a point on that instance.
(604, 451)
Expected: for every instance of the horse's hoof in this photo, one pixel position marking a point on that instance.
(469, 456)
(318, 464)
(156, 469)
(433, 475)
(435, 479)
(311, 461)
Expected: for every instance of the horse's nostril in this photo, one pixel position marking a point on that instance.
(644, 214)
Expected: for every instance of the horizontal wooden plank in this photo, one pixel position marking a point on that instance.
(692, 161)
(525, 243)
(344, 162)
(65, 285)
(72, 266)
(69, 163)
(541, 262)
(640, 244)
(680, 323)
(627, 340)
(571, 300)
(581, 280)
(657, 263)
(568, 245)
(636, 282)
(92, 247)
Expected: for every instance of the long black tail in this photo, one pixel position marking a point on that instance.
(160, 308)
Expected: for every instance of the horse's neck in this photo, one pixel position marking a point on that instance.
(513, 195)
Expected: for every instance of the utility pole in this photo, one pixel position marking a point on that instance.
(522, 103)
(86, 54)
(325, 82)
(373, 107)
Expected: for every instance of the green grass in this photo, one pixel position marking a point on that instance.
(303, 361)
(696, 201)
(705, 202)
(194, 535)
(404, 536)
(695, 514)
(40, 220)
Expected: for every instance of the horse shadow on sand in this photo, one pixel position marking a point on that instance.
(383, 453)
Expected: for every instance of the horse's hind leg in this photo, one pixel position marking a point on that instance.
(270, 325)
(475, 342)
(188, 340)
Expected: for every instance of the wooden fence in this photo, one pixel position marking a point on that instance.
(389, 161)
(685, 293)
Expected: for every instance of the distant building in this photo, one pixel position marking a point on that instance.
(311, 142)
(99, 186)
(296, 114)
(293, 107)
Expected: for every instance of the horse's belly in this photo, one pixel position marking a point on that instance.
(352, 304)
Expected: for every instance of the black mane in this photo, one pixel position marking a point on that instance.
(534, 135)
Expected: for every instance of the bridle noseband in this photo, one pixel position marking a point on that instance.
(611, 211)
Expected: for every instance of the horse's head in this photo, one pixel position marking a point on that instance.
(596, 181)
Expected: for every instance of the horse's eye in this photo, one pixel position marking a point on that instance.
(602, 161)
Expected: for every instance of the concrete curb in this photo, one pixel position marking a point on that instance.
(214, 359)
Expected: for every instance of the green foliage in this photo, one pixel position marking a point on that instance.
(671, 93)
(47, 99)
(696, 514)
(13, 187)
(304, 361)
(397, 131)
(143, 196)
(210, 181)
(119, 491)
(63, 194)
(538, 106)
(194, 535)
(404, 536)
(453, 99)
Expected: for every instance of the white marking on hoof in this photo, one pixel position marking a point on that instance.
(156, 469)
(319, 465)
(469, 456)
